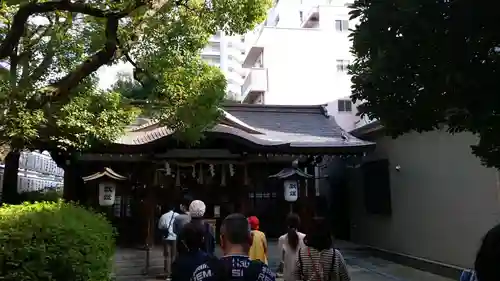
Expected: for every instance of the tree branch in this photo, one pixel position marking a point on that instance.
(91, 64)
(16, 31)
(44, 64)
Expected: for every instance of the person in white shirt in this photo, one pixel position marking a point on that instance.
(166, 226)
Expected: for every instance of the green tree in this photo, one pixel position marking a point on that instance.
(422, 64)
(50, 51)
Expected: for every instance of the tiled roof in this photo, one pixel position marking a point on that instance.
(267, 125)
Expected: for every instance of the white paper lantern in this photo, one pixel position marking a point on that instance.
(107, 193)
(291, 190)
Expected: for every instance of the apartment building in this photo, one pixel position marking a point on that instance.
(299, 55)
(227, 52)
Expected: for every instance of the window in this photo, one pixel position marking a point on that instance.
(301, 15)
(344, 106)
(342, 65)
(342, 25)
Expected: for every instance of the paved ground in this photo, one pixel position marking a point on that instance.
(366, 268)
(361, 266)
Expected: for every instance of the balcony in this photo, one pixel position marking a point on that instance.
(311, 20)
(254, 84)
(252, 56)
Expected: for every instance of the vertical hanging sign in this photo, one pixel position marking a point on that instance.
(107, 193)
(291, 190)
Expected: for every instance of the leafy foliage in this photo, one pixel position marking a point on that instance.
(43, 195)
(54, 241)
(421, 64)
(52, 49)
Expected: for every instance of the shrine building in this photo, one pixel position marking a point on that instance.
(241, 165)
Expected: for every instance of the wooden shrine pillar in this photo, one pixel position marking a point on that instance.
(148, 211)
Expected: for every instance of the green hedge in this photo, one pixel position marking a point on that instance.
(54, 241)
(38, 196)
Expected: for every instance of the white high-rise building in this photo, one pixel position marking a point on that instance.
(227, 52)
(299, 55)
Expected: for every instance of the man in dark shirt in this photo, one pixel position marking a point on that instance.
(236, 240)
(183, 218)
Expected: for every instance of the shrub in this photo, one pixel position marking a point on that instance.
(54, 241)
(39, 196)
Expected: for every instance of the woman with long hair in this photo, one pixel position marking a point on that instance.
(318, 260)
(289, 244)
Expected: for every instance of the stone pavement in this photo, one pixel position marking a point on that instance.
(363, 267)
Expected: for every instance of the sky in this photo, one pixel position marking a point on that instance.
(108, 74)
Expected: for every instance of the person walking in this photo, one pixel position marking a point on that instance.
(487, 258)
(196, 212)
(289, 245)
(235, 265)
(184, 266)
(258, 250)
(184, 217)
(165, 225)
(318, 260)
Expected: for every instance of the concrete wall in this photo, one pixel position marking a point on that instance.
(443, 200)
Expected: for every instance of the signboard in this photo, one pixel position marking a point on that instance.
(291, 190)
(107, 193)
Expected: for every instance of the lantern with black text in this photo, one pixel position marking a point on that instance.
(107, 193)
(291, 190)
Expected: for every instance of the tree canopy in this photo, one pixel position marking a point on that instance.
(423, 64)
(50, 52)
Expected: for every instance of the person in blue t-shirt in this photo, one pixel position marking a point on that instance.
(235, 240)
(193, 256)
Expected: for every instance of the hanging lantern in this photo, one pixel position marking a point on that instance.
(291, 190)
(231, 170)
(107, 193)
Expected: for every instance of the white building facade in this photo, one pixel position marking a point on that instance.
(227, 52)
(37, 171)
(299, 56)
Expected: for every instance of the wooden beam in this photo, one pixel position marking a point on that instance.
(113, 157)
(198, 154)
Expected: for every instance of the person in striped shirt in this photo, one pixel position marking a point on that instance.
(319, 260)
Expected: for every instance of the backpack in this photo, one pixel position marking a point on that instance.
(332, 266)
(468, 275)
(222, 271)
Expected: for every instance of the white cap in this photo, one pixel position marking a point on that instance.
(197, 209)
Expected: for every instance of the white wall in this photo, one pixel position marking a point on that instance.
(346, 120)
(302, 65)
(229, 53)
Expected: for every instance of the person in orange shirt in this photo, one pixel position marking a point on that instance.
(258, 250)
